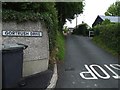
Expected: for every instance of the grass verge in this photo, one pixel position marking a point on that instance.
(58, 52)
(60, 46)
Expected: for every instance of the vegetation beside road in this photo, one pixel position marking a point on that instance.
(107, 36)
(53, 14)
(60, 45)
(58, 52)
(81, 29)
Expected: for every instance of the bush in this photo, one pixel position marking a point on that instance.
(109, 36)
(81, 30)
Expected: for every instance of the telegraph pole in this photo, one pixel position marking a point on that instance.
(76, 21)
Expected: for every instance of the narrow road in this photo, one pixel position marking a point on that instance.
(87, 66)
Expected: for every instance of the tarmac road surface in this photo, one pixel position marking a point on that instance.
(87, 66)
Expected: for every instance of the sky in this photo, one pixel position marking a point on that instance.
(92, 9)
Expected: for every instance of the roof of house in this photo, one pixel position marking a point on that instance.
(111, 18)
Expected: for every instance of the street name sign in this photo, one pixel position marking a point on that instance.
(15, 33)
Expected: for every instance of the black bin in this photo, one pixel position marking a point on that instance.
(12, 63)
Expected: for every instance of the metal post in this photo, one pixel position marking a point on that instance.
(76, 21)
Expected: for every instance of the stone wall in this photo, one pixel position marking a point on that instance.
(36, 56)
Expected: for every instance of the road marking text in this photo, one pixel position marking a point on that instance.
(95, 74)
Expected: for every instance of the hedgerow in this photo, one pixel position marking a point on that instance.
(109, 35)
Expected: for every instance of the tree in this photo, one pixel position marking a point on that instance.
(114, 9)
(82, 29)
(67, 10)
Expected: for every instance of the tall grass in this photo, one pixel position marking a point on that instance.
(60, 46)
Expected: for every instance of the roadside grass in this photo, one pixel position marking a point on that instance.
(58, 53)
(99, 42)
(60, 46)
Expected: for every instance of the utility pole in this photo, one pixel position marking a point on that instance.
(76, 21)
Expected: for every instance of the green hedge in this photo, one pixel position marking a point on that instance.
(108, 35)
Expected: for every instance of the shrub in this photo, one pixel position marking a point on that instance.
(109, 35)
(81, 30)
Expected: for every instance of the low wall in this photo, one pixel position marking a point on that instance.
(36, 56)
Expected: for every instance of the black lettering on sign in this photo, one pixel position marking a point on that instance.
(12, 33)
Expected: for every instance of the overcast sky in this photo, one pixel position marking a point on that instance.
(92, 9)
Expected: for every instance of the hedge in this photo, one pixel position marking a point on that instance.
(109, 35)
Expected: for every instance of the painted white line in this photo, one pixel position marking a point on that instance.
(53, 79)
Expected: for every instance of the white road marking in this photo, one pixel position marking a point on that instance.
(103, 77)
(116, 75)
(113, 65)
(88, 72)
(91, 70)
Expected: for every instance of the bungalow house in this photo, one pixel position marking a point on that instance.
(101, 18)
